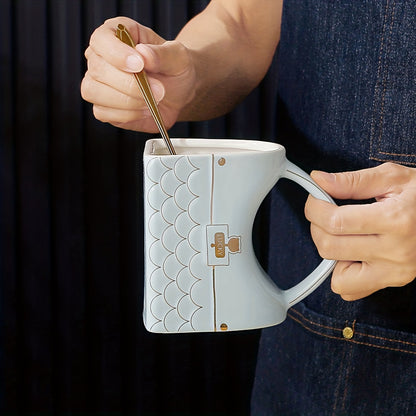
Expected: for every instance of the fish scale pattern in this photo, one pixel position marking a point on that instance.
(175, 213)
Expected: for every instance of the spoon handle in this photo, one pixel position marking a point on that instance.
(141, 79)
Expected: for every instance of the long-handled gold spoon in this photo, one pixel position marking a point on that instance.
(141, 79)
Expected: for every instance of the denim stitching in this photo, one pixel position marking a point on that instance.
(398, 154)
(383, 347)
(378, 159)
(312, 330)
(385, 74)
(303, 322)
(413, 344)
(385, 89)
(312, 322)
(382, 75)
(380, 89)
(379, 67)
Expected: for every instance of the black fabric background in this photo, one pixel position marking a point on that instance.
(72, 338)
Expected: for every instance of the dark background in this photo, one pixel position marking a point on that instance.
(72, 338)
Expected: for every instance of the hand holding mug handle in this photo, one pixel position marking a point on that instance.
(298, 292)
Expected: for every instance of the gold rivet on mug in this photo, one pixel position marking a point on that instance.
(224, 327)
(347, 332)
(221, 161)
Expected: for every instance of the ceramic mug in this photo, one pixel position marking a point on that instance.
(201, 272)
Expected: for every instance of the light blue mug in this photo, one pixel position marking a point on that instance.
(201, 272)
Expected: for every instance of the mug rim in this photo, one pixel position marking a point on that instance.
(246, 146)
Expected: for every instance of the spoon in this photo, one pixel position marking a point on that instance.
(141, 79)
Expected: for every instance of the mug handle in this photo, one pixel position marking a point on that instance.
(298, 292)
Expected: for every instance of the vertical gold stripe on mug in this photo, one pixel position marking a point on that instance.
(211, 223)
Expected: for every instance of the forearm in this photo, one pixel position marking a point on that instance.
(231, 44)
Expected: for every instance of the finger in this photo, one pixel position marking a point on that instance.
(119, 116)
(349, 219)
(170, 58)
(348, 247)
(101, 71)
(354, 280)
(124, 82)
(106, 96)
(104, 43)
(362, 184)
(140, 120)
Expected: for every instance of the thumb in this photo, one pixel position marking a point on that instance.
(170, 58)
(359, 184)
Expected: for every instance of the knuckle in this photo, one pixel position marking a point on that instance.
(337, 282)
(402, 277)
(99, 114)
(407, 256)
(96, 67)
(130, 86)
(404, 219)
(88, 52)
(179, 47)
(390, 168)
(336, 223)
(86, 88)
(324, 246)
(395, 173)
(336, 287)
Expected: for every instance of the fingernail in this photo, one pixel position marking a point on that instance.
(134, 63)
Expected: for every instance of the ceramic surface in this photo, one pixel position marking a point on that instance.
(201, 273)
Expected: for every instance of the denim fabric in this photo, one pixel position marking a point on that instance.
(347, 100)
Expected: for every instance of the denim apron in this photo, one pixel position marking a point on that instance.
(346, 101)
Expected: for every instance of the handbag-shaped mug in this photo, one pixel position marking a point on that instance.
(201, 272)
